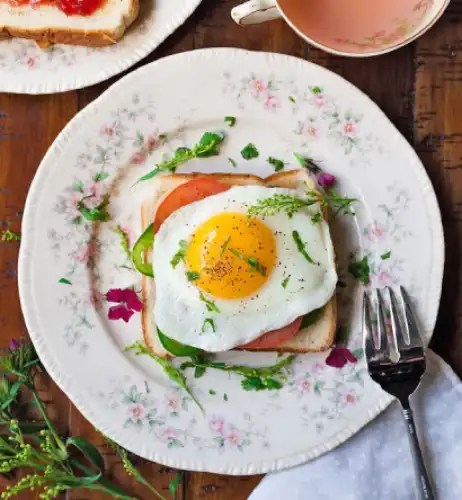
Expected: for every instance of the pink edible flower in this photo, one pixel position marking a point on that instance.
(14, 344)
(340, 356)
(128, 303)
(325, 179)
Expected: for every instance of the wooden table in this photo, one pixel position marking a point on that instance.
(418, 87)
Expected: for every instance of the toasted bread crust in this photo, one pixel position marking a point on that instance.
(164, 185)
(88, 38)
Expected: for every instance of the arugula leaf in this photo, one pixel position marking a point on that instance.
(252, 261)
(8, 235)
(192, 276)
(386, 255)
(317, 218)
(124, 241)
(169, 369)
(285, 282)
(360, 270)
(250, 152)
(301, 247)
(232, 162)
(210, 304)
(98, 213)
(230, 120)
(206, 147)
(64, 281)
(225, 245)
(208, 321)
(277, 164)
(172, 487)
(180, 255)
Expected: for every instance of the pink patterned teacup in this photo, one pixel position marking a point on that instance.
(356, 28)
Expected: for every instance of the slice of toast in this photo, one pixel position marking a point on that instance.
(317, 337)
(48, 24)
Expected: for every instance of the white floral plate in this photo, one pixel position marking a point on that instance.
(282, 105)
(25, 68)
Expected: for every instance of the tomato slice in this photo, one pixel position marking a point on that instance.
(189, 192)
(275, 338)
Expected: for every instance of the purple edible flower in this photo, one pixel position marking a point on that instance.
(325, 179)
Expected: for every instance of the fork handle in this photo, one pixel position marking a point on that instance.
(425, 491)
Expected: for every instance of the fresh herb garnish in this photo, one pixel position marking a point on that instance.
(64, 281)
(360, 270)
(317, 218)
(230, 120)
(250, 152)
(124, 241)
(210, 304)
(208, 321)
(225, 396)
(212, 392)
(291, 99)
(206, 147)
(311, 318)
(232, 162)
(225, 245)
(337, 202)
(255, 379)
(8, 235)
(98, 213)
(307, 163)
(386, 255)
(301, 247)
(180, 255)
(252, 261)
(172, 487)
(285, 281)
(277, 164)
(169, 369)
(192, 276)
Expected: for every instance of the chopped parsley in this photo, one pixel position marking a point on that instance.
(286, 281)
(210, 304)
(386, 255)
(360, 270)
(232, 162)
(212, 392)
(64, 281)
(291, 99)
(250, 152)
(8, 235)
(301, 247)
(252, 261)
(192, 276)
(277, 164)
(225, 396)
(124, 241)
(206, 147)
(230, 120)
(316, 218)
(208, 321)
(180, 255)
(225, 245)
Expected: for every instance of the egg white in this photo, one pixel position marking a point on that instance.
(179, 311)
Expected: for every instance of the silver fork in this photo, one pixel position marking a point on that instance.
(399, 377)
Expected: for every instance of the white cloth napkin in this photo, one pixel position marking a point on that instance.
(376, 463)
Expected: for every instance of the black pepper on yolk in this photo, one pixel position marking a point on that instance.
(212, 253)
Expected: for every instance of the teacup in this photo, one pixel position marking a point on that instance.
(355, 28)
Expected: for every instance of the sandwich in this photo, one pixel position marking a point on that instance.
(94, 23)
(228, 273)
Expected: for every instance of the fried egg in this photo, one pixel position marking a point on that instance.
(223, 279)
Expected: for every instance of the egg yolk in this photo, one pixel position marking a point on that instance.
(233, 255)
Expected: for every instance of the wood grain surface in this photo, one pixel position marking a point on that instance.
(420, 89)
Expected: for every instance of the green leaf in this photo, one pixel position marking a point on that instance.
(199, 371)
(278, 203)
(80, 482)
(317, 218)
(249, 152)
(208, 321)
(89, 450)
(64, 281)
(291, 99)
(232, 162)
(253, 384)
(252, 261)
(307, 163)
(212, 392)
(225, 397)
(360, 270)
(210, 304)
(192, 276)
(316, 90)
(286, 281)
(225, 245)
(230, 120)
(311, 318)
(301, 247)
(176, 348)
(144, 243)
(8, 235)
(180, 255)
(172, 487)
(386, 255)
(277, 164)
(272, 384)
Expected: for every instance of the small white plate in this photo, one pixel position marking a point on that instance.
(283, 105)
(25, 68)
